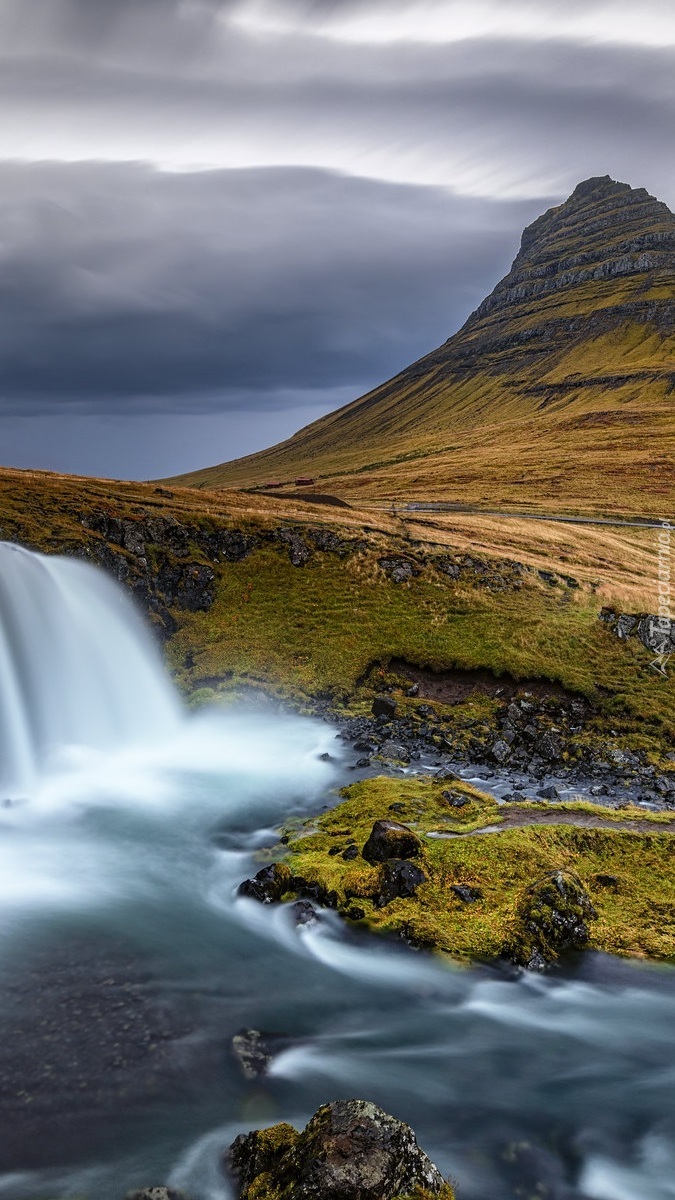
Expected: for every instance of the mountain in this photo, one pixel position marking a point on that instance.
(557, 393)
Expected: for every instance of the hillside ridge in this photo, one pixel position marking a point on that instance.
(569, 361)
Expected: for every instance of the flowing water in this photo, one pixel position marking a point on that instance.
(128, 962)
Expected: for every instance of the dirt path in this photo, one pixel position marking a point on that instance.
(440, 507)
(514, 816)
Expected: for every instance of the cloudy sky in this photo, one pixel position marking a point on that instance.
(222, 218)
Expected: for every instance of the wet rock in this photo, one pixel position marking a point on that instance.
(465, 893)
(350, 1150)
(500, 750)
(361, 764)
(157, 1193)
(554, 915)
(394, 751)
(549, 793)
(384, 706)
(269, 885)
(354, 913)
(304, 913)
(398, 880)
(254, 1051)
(389, 839)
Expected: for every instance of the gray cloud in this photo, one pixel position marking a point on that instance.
(120, 283)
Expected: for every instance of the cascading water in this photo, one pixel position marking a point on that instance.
(129, 962)
(76, 667)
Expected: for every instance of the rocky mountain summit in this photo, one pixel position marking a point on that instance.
(555, 392)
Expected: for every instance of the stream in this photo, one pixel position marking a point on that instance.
(129, 962)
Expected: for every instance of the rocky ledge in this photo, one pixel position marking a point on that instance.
(350, 1150)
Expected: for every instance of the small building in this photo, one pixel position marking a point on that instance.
(304, 480)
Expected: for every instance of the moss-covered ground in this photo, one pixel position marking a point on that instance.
(629, 875)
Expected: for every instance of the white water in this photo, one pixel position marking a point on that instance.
(133, 847)
(76, 666)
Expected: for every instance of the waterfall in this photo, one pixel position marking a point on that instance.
(77, 667)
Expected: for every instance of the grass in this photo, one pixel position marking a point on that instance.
(318, 630)
(629, 876)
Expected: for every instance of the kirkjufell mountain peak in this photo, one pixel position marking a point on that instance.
(557, 390)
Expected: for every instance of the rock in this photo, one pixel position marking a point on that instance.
(361, 764)
(413, 690)
(389, 839)
(298, 551)
(607, 881)
(269, 885)
(549, 746)
(625, 626)
(156, 1193)
(399, 570)
(500, 750)
(354, 913)
(350, 853)
(394, 751)
(549, 793)
(467, 894)
(304, 913)
(554, 915)
(656, 633)
(350, 1150)
(254, 1051)
(384, 706)
(455, 799)
(399, 880)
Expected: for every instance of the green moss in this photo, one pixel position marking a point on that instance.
(630, 876)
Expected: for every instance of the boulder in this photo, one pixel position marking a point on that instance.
(350, 1150)
(500, 750)
(554, 914)
(390, 839)
(384, 706)
(269, 884)
(549, 745)
(399, 880)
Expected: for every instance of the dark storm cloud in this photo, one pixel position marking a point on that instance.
(119, 283)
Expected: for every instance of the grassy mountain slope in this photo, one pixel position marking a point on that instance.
(556, 394)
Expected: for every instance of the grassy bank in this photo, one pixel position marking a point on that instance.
(629, 876)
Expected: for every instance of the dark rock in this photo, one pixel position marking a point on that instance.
(397, 807)
(269, 885)
(398, 880)
(350, 1150)
(334, 850)
(625, 626)
(500, 750)
(413, 690)
(384, 706)
(350, 853)
(157, 1193)
(554, 915)
(455, 799)
(354, 913)
(368, 747)
(607, 881)
(254, 1051)
(361, 764)
(304, 913)
(549, 745)
(298, 551)
(467, 894)
(394, 751)
(389, 839)
(399, 570)
(549, 793)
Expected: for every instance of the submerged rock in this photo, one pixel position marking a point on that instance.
(390, 839)
(254, 1051)
(269, 885)
(156, 1193)
(554, 916)
(350, 1150)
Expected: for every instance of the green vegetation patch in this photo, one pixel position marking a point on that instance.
(629, 876)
